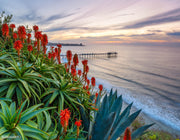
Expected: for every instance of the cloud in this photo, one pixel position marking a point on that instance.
(59, 28)
(174, 33)
(170, 16)
(30, 17)
(55, 17)
(134, 35)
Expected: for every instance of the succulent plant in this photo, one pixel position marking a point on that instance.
(22, 123)
(110, 121)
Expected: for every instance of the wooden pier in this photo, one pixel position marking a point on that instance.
(87, 55)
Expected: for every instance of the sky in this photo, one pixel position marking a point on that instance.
(155, 22)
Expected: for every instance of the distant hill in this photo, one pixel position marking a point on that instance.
(65, 44)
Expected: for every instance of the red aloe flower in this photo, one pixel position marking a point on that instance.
(87, 69)
(29, 38)
(93, 81)
(75, 60)
(73, 71)
(65, 65)
(35, 43)
(84, 62)
(45, 50)
(18, 46)
(87, 87)
(127, 134)
(15, 36)
(58, 56)
(56, 51)
(35, 28)
(12, 26)
(78, 124)
(44, 41)
(69, 55)
(49, 55)
(79, 72)
(88, 92)
(5, 30)
(54, 55)
(96, 94)
(100, 87)
(88, 82)
(38, 35)
(30, 48)
(59, 45)
(22, 33)
(29, 35)
(64, 117)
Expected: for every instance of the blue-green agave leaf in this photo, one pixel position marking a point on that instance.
(138, 132)
(102, 128)
(121, 127)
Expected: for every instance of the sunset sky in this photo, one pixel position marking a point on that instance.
(100, 21)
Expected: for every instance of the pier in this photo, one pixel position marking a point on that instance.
(87, 55)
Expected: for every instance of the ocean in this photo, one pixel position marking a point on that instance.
(148, 76)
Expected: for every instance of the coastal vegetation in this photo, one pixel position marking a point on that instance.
(43, 98)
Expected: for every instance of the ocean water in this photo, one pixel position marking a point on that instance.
(149, 76)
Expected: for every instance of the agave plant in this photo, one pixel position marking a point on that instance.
(110, 122)
(21, 123)
(18, 82)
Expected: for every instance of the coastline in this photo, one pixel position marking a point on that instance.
(143, 118)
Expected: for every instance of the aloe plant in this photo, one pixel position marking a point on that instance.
(110, 121)
(20, 82)
(21, 123)
(63, 93)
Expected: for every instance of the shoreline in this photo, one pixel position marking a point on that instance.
(144, 118)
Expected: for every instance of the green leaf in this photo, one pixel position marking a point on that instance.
(61, 101)
(35, 136)
(11, 90)
(22, 90)
(5, 99)
(3, 117)
(31, 109)
(5, 110)
(6, 81)
(48, 121)
(2, 131)
(24, 118)
(25, 84)
(20, 131)
(19, 95)
(31, 129)
(13, 108)
(3, 88)
(54, 95)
